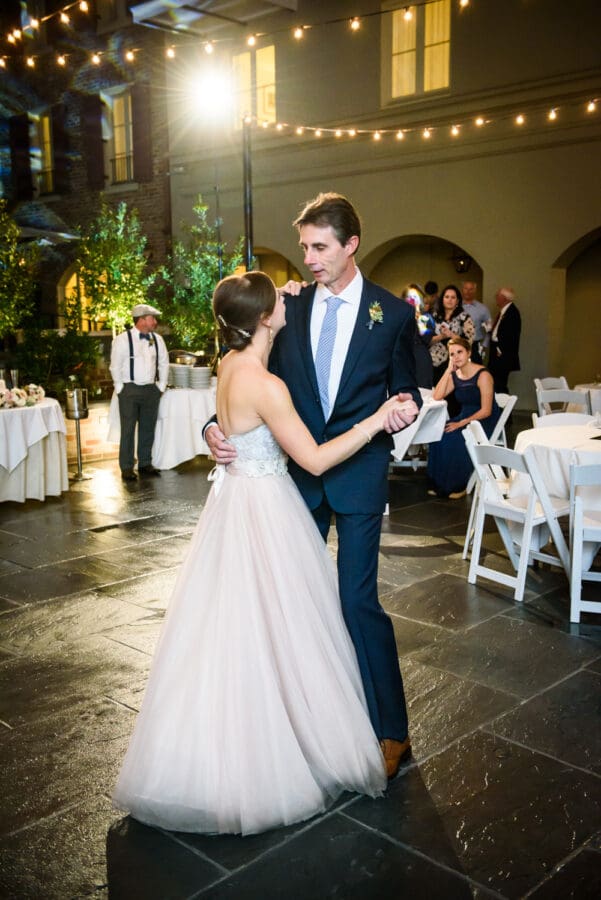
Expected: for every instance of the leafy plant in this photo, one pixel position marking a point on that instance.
(112, 265)
(17, 281)
(192, 273)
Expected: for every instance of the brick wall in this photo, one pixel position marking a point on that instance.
(93, 431)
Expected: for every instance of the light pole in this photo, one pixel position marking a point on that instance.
(247, 191)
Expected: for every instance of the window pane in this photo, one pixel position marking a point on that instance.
(403, 54)
(265, 62)
(437, 44)
(122, 168)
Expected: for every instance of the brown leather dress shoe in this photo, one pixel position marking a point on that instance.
(395, 752)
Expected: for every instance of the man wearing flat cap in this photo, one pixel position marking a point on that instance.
(139, 369)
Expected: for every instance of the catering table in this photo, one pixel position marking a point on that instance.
(33, 452)
(555, 449)
(178, 433)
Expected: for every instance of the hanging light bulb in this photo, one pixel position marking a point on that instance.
(300, 129)
(519, 120)
(400, 135)
(408, 14)
(455, 130)
(591, 106)
(83, 5)
(251, 40)
(318, 132)
(64, 18)
(279, 126)
(355, 23)
(464, 3)
(18, 34)
(34, 23)
(2, 63)
(377, 136)
(338, 133)
(61, 60)
(479, 121)
(170, 53)
(298, 33)
(96, 59)
(31, 62)
(11, 39)
(426, 133)
(352, 132)
(264, 124)
(209, 47)
(552, 115)
(130, 56)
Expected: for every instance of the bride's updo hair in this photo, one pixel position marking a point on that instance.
(239, 303)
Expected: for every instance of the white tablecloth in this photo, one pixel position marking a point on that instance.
(33, 454)
(555, 449)
(178, 434)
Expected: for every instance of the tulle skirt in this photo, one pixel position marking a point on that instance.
(254, 715)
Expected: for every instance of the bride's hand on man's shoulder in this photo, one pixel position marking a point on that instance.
(400, 410)
(292, 287)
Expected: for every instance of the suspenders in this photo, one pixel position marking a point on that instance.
(131, 356)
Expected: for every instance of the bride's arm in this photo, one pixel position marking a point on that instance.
(278, 412)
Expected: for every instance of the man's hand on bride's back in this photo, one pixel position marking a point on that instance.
(292, 287)
(221, 450)
(400, 411)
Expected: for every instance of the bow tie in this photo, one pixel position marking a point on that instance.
(146, 337)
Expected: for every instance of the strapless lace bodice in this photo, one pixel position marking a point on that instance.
(258, 454)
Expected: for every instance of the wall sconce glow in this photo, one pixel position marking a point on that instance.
(519, 120)
(355, 24)
(479, 121)
(210, 94)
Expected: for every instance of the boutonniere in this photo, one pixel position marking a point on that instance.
(376, 316)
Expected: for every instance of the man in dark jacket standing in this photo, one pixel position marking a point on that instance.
(505, 340)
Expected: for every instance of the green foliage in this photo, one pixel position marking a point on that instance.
(112, 265)
(193, 273)
(17, 282)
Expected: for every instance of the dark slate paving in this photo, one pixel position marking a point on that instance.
(501, 795)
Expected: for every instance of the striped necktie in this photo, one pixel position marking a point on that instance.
(325, 348)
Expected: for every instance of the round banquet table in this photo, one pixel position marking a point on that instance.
(33, 452)
(555, 449)
(178, 434)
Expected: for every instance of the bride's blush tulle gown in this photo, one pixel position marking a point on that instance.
(254, 715)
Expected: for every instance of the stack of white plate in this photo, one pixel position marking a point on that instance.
(200, 377)
(179, 375)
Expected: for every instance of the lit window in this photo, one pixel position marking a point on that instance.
(416, 43)
(118, 134)
(254, 77)
(42, 157)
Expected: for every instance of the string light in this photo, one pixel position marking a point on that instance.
(209, 47)
(64, 18)
(61, 60)
(591, 106)
(377, 136)
(2, 63)
(464, 3)
(298, 33)
(129, 56)
(519, 119)
(355, 24)
(426, 133)
(84, 6)
(479, 121)
(251, 41)
(400, 135)
(170, 52)
(318, 132)
(31, 62)
(338, 133)
(352, 132)
(552, 115)
(408, 14)
(17, 34)
(96, 59)
(34, 23)
(455, 130)
(300, 130)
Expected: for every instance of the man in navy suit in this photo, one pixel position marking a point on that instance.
(505, 340)
(372, 358)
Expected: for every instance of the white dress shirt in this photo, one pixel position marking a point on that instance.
(345, 323)
(145, 360)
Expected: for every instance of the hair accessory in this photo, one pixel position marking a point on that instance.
(241, 331)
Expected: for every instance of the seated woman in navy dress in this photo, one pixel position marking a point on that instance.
(449, 464)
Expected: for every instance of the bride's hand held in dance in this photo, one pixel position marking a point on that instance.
(398, 412)
(221, 450)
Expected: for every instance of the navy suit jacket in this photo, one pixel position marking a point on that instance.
(379, 362)
(508, 340)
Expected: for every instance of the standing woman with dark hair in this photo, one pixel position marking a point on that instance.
(449, 464)
(451, 320)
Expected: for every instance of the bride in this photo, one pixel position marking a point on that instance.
(254, 715)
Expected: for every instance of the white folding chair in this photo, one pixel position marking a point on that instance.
(529, 511)
(560, 418)
(475, 434)
(544, 399)
(505, 402)
(585, 525)
(551, 384)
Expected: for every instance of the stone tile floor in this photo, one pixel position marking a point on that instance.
(501, 799)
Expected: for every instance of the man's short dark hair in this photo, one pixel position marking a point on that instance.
(335, 210)
(431, 288)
